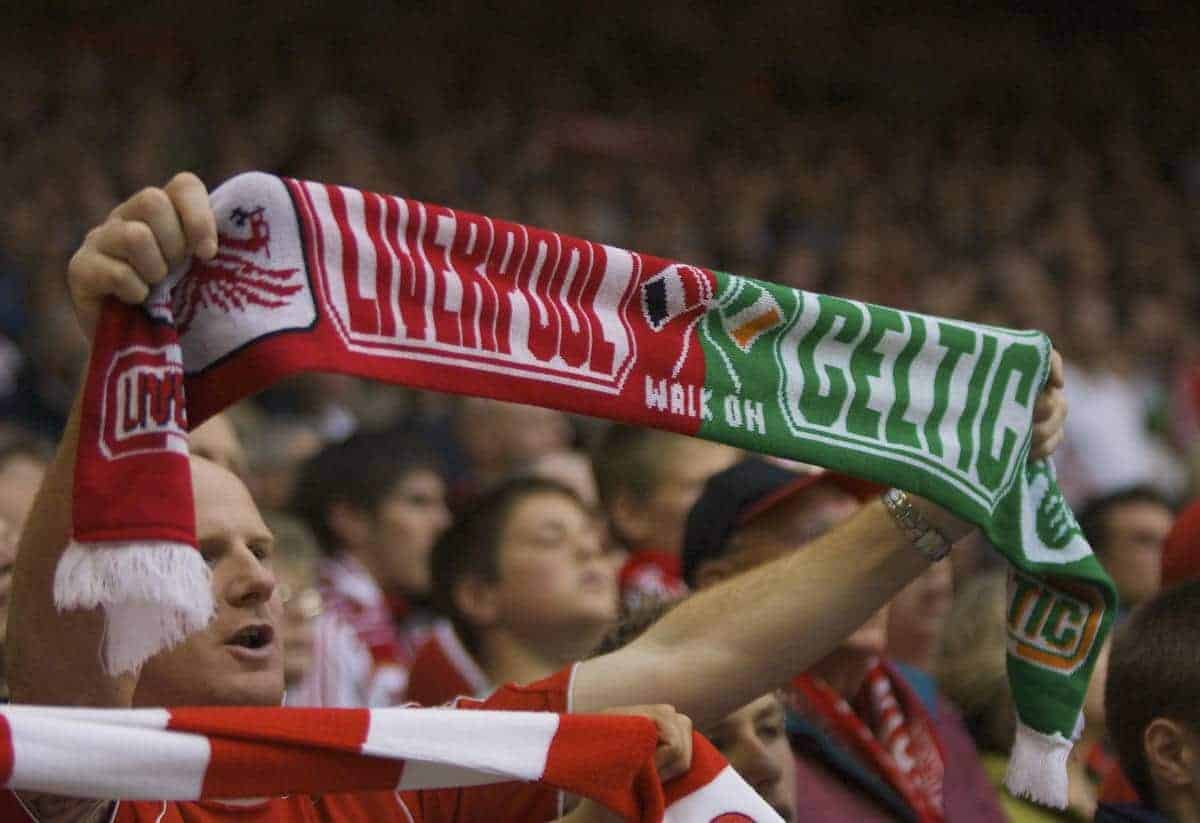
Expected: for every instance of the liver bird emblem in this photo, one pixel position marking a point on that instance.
(234, 279)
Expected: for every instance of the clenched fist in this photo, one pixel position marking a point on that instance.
(138, 244)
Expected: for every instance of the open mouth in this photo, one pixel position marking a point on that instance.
(252, 637)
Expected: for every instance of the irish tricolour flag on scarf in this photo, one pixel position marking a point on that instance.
(313, 276)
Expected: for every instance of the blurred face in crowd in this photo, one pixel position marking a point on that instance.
(20, 477)
(657, 521)
(754, 741)
(554, 578)
(405, 526)
(238, 658)
(1132, 550)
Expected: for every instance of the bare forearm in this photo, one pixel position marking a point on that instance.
(727, 645)
(54, 658)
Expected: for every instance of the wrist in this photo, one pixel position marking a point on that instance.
(952, 528)
(925, 533)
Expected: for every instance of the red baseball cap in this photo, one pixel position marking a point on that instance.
(1181, 549)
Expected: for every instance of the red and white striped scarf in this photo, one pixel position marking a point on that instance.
(191, 754)
(895, 739)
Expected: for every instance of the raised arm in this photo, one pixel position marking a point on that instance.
(724, 646)
(54, 658)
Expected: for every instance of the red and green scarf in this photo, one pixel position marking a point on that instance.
(316, 277)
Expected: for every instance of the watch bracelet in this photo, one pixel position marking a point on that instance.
(924, 536)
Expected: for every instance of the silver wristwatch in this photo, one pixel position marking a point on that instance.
(921, 533)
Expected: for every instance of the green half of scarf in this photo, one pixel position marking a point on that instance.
(940, 408)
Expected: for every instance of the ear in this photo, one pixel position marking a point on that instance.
(633, 521)
(1170, 753)
(350, 524)
(478, 601)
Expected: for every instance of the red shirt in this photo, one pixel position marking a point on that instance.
(499, 801)
(372, 670)
(444, 670)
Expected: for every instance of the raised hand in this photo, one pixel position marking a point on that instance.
(138, 244)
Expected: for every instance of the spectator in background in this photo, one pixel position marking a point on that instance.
(376, 504)
(23, 462)
(1180, 563)
(1154, 716)
(753, 739)
(971, 672)
(524, 578)
(1126, 529)
(647, 480)
(874, 741)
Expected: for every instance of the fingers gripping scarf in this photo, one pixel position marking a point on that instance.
(314, 277)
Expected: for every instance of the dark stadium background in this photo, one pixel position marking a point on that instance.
(1031, 164)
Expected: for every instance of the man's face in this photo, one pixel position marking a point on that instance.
(754, 741)
(1132, 553)
(238, 658)
(406, 525)
(553, 571)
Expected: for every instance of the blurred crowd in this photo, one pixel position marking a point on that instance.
(1037, 184)
(1031, 178)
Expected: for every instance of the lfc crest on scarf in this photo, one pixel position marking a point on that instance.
(397, 290)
